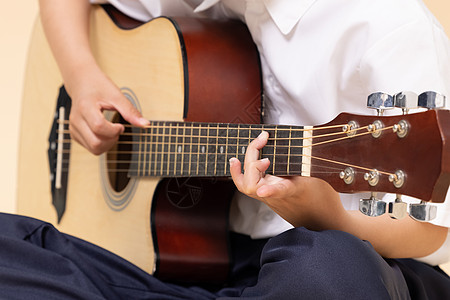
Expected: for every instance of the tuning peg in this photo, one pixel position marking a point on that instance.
(372, 207)
(397, 209)
(422, 211)
(380, 101)
(406, 101)
(431, 100)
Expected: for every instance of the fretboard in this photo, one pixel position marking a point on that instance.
(169, 149)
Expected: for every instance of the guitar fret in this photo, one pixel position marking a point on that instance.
(289, 152)
(142, 153)
(237, 140)
(243, 141)
(188, 150)
(215, 160)
(173, 148)
(205, 139)
(194, 149)
(274, 151)
(150, 150)
(166, 148)
(160, 148)
(225, 161)
(198, 149)
(175, 165)
(204, 149)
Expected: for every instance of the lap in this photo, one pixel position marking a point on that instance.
(37, 260)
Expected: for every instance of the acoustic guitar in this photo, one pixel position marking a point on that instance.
(160, 197)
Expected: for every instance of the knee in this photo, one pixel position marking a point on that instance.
(322, 265)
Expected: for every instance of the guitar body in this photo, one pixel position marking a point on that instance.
(187, 69)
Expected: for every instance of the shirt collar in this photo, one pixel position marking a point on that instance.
(205, 5)
(285, 13)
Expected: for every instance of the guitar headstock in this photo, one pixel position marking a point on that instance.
(407, 154)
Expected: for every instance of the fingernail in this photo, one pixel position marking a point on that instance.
(232, 160)
(143, 121)
(261, 134)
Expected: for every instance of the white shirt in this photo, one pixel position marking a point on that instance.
(320, 58)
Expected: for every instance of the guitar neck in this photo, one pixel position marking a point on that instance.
(171, 149)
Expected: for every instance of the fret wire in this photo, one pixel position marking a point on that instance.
(150, 147)
(274, 150)
(198, 149)
(250, 137)
(168, 149)
(175, 150)
(182, 148)
(155, 145)
(217, 141)
(163, 146)
(144, 150)
(207, 150)
(148, 132)
(160, 144)
(140, 153)
(289, 152)
(226, 151)
(190, 152)
(237, 140)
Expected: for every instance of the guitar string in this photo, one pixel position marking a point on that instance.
(184, 143)
(323, 159)
(119, 170)
(161, 154)
(176, 136)
(225, 126)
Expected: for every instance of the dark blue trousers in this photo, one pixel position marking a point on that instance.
(38, 262)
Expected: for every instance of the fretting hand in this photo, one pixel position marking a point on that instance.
(302, 201)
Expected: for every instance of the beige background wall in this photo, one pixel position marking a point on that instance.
(16, 19)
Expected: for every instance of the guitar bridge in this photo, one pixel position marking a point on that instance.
(59, 153)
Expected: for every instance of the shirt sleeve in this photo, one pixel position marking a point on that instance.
(413, 57)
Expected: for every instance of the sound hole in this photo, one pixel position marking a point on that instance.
(119, 158)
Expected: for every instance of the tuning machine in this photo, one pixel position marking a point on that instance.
(422, 211)
(372, 207)
(397, 209)
(380, 101)
(431, 100)
(406, 101)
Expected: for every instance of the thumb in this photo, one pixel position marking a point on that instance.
(275, 188)
(130, 113)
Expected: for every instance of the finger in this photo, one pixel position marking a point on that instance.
(99, 126)
(253, 174)
(92, 142)
(247, 183)
(252, 153)
(277, 188)
(129, 112)
(236, 173)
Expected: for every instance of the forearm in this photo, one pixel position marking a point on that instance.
(395, 238)
(66, 25)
